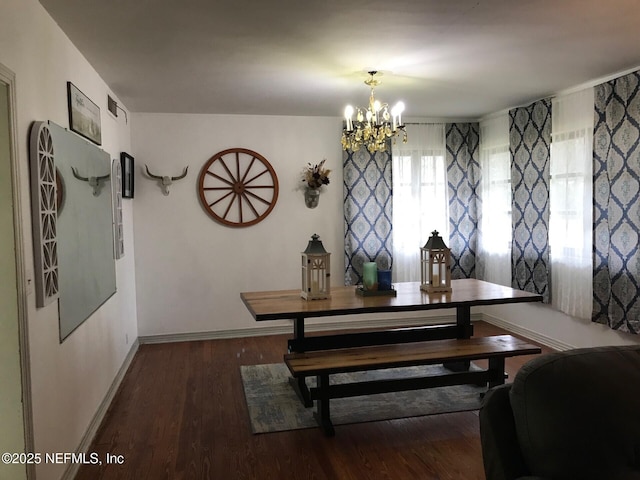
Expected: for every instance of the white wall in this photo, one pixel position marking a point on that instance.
(190, 269)
(69, 380)
(554, 328)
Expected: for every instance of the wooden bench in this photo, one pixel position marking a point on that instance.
(324, 363)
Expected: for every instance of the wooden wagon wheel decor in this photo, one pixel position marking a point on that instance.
(238, 187)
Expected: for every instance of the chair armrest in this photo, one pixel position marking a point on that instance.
(500, 450)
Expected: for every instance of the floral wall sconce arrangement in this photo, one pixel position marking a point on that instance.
(314, 177)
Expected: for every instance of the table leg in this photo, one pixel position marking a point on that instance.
(299, 385)
(463, 321)
(465, 330)
(298, 328)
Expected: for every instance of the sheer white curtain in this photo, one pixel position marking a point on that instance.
(570, 217)
(494, 246)
(420, 203)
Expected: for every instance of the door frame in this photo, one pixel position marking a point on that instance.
(9, 78)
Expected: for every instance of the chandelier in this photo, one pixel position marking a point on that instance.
(373, 126)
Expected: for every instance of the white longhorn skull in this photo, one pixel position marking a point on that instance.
(164, 180)
(94, 182)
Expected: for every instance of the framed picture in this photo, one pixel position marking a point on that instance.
(84, 115)
(118, 235)
(126, 162)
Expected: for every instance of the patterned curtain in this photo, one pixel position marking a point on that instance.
(367, 211)
(616, 204)
(529, 141)
(463, 178)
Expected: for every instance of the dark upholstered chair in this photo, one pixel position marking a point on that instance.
(571, 415)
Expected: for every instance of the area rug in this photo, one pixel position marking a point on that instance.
(274, 407)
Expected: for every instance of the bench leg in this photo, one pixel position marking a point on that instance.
(300, 387)
(496, 369)
(322, 415)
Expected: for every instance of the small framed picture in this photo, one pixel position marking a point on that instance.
(84, 115)
(126, 162)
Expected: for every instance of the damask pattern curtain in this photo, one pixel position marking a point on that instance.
(463, 179)
(616, 197)
(529, 143)
(367, 211)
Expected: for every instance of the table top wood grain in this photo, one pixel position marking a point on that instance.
(288, 304)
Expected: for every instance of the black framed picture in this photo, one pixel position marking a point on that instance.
(126, 162)
(84, 115)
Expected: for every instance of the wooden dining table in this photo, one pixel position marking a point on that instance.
(344, 300)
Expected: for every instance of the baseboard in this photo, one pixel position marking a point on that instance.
(318, 327)
(92, 429)
(525, 332)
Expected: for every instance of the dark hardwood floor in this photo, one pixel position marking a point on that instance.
(180, 414)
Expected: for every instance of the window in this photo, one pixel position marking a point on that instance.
(496, 200)
(494, 247)
(420, 203)
(569, 184)
(570, 198)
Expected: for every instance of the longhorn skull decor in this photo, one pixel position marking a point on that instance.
(95, 182)
(165, 181)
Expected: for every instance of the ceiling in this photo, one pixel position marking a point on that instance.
(444, 59)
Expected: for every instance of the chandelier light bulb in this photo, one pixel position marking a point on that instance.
(397, 110)
(348, 113)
